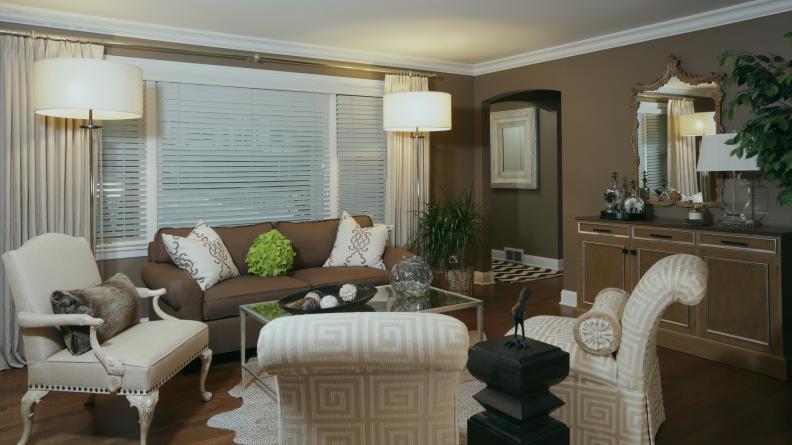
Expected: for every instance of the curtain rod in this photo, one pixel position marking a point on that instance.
(245, 56)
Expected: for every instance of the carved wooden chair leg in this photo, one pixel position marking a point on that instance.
(91, 400)
(29, 401)
(145, 405)
(206, 361)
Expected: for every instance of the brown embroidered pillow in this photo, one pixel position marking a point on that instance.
(115, 301)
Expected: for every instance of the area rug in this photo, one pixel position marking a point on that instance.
(510, 272)
(256, 421)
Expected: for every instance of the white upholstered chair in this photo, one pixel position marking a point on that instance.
(617, 399)
(366, 378)
(134, 363)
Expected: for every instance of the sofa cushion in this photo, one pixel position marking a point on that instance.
(236, 239)
(224, 299)
(327, 276)
(313, 240)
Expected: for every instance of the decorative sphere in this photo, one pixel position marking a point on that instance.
(310, 304)
(411, 277)
(328, 301)
(348, 292)
(313, 296)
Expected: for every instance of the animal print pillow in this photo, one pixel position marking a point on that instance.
(115, 301)
(202, 255)
(358, 246)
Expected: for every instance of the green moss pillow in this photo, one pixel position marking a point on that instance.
(271, 255)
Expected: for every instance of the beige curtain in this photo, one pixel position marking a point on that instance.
(405, 164)
(681, 150)
(44, 162)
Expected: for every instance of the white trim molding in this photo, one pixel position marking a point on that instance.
(696, 22)
(27, 15)
(568, 298)
(532, 260)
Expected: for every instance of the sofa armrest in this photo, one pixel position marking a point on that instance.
(182, 293)
(393, 255)
(354, 343)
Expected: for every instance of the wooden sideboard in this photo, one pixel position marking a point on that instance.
(741, 321)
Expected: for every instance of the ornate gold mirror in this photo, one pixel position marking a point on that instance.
(671, 114)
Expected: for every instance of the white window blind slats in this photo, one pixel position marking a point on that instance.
(653, 148)
(233, 155)
(361, 155)
(122, 199)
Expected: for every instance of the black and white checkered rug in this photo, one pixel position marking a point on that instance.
(509, 272)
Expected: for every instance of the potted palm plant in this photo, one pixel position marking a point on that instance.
(448, 237)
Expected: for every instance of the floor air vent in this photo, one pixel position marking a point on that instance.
(513, 254)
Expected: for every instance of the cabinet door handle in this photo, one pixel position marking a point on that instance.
(661, 236)
(601, 230)
(625, 251)
(734, 243)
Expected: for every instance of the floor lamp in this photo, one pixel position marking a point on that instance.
(417, 112)
(699, 125)
(88, 89)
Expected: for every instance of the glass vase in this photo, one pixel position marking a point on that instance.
(411, 277)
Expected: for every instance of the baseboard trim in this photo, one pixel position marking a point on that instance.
(532, 260)
(483, 278)
(568, 298)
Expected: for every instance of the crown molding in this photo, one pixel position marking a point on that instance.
(696, 22)
(30, 16)
(25, 15)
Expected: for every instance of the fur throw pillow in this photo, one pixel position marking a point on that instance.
(358, 246)
(115, 301)
(202, 255)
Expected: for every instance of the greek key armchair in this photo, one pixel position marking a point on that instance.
(618, 399)
(134, 363)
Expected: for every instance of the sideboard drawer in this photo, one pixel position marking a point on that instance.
(738, 242)
(592, 228)
(669, 235)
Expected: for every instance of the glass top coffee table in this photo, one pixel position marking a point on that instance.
(437, 301)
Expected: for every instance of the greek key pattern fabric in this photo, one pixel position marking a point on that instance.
(202, 254)
(366, 378)
(358, 246)
(598, 331)
(619, 401)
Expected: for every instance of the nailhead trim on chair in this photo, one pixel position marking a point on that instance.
(89, 389)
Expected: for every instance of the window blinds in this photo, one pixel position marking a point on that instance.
(653, 148)
(232, 155)
(122, 197)
(361, 156)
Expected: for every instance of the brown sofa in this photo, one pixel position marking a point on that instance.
(219, 305)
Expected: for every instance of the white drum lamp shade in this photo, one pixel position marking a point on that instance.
(716, 156)
(69, 88)
(417, 111)
(697, 124)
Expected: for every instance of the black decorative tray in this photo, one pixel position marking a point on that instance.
(622, 216)
(364, 294)
(697, 222)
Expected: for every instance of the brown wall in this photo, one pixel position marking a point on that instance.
(528, 219)
(596, 122)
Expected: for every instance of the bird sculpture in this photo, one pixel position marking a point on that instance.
(518, 314)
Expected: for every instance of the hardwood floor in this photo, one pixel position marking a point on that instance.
(706, 402)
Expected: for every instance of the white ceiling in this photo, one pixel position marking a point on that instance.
(457, 33)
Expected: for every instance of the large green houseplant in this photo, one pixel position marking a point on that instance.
(765, 82)
(448, 236)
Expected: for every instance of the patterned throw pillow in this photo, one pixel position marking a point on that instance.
(202, 255)
(358, 246)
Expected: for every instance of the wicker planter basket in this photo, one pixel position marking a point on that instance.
(459, 280)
